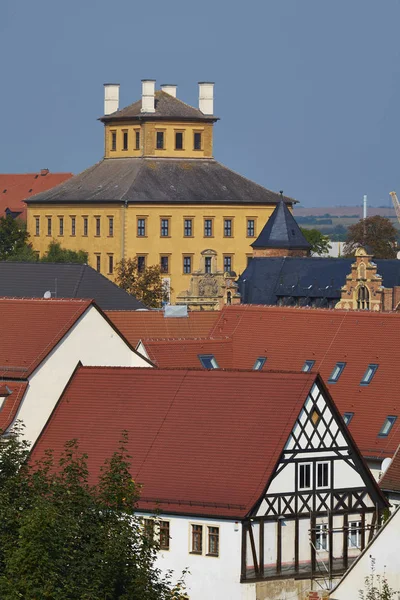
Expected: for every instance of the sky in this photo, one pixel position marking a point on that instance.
(308, 91)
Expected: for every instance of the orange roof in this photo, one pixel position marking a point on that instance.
(16, 187)
(185, 353)
(391, 479)
(13, 392)
(141, 325)
(29, 330)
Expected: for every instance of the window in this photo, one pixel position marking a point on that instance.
(208, 361)
(188, 227)
(213, 541)
(308, 365)
(137, 140)
(48, 225)
(98, 263)
(368, 375)
(227, 264)
(347, 417)
(164, 264)
(179, 140)
(164, 535)
(110, 264)
(207, 264)
(363, 298)
(387, 426)
(187, 264)
(260, 362)
(208, 227)
(110, 226)
(321, 536)
(197, 539)
(228, 228)
(97, 226)
(197, 140)
(148, 529)
(113, 140)
(323, 474)
(61, 225)
(337, 371)
(141, 227)
(124, 140)
(250, 228)
(85, 226)
(37, 225)
(73, 225)
(164, 227)
(354, 534)
(160, 140)
(304, 472)
(141, 263)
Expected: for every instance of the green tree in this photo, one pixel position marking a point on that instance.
(319, 242)
(62, 537)
(145, 284)
(376, 587)
(376, 232)
(13, 236)
(56, 254)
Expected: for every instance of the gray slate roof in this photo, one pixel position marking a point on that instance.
(281, 231)
(32, 280)
(166, 107)
(159, 180)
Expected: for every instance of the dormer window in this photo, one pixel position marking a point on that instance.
(260, 362)
(368, 375)
(337, 371)
(208, 361)
(308, 365)
(387, 426)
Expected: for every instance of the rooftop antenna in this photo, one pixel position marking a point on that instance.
(48, 294)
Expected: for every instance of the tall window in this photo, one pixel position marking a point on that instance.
(304, 476)
(141, 263)
(321, 536)
(323, 474)
(98, 262)
(164, 227)
(197, 539)
(61, 231)
(85, 226)
(141, 227)
(250, 228)
(48, 225)
(110, 226)
(213, 541)
(113, 140)
(137, 140)
(178, 140)
(188, 228)
(164, 535)
(363, 298)
(187, 264)
(207, 264)
(73, 225)
(97, 226)
(197, 140)
(354, 535)
(37, 225)
(208, 227)
(228, 228)
(160, 140)
(124, 140)
(110, 264)
(164, 263)
(227, 263)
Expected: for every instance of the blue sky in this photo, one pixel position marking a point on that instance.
(308, 91)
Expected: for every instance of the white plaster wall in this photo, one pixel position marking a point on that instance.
(92, 341)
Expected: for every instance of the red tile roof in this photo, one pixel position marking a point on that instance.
(391, 479)
(13, 392)
(29, 330)
(141, 325)
(202, 442)
(16, 187)
(185, 353)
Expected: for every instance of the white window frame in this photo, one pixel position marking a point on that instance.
(356, 529)
(304, 464)
(322, 462)
(321, 534)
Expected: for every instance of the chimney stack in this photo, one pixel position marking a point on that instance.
(148, 91)
(169, 88)
(206, 97)
(111, 98)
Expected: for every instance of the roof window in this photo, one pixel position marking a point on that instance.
(387, 426)
(368, 375)
(308, 365)
(347, 417)
(337, 371)
(260, 362)
(208, 361)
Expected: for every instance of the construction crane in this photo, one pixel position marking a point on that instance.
(396, 204)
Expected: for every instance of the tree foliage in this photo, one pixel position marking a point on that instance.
(62, 538)
(146, 285)
(56, 254)
(319, 242)
(376, 587)
(13, 236)
(378, 233)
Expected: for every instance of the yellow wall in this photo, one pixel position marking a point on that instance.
(148, 131)
(153, 245)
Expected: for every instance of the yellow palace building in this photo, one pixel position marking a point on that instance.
(158, 194)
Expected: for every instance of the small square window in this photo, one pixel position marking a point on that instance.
(160, 140)
(387, 426)
(208, 361)
(197, 539)
(178, 140)
(347, 417)
(368, 375)
(315, 416)
(308, 365)
(197, 141)
(304, 475)
(260, 362)
(337, 371)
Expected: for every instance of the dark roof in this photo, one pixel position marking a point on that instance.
(267, 279)
(64, 280)
(281, 231)
(161, 180)
(166, 107)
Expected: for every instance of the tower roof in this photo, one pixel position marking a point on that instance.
(281, 231)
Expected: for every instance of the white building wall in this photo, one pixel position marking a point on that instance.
(92, 341)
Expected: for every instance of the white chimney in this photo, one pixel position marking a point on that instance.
(169, 88)
(111, 98)
(206, 97)
(148, 91)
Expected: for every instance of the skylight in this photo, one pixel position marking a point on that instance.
(308, 365)
(368, 375)
(208, 361)
(387, 426)
(337, 371)
(347, 417)
(260, 362)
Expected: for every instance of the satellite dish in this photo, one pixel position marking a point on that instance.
(385, 464)
(47, 294)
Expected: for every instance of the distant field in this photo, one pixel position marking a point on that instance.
(342, 211)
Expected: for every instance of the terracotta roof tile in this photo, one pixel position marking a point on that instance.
(391, 479)
(185, 353)
(12, 392)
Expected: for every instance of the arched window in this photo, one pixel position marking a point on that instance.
(363, 298)
(229, 298)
